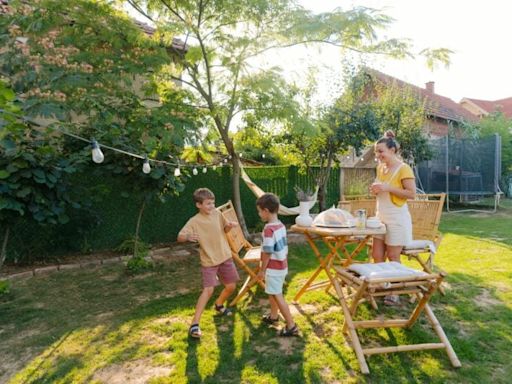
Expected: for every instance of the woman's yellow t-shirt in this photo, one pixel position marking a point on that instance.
(395, 180)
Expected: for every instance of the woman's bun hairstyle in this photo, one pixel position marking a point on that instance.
(389, 139)
(389, 134)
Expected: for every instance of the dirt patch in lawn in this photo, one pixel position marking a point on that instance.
(485, 299)
(131, 372)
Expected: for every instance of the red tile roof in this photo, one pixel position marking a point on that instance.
(436, 105)
(177, 44)
(502, 105)
(150, 31)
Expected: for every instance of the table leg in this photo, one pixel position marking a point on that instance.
(325, 263)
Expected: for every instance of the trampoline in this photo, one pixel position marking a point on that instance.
(467, 169)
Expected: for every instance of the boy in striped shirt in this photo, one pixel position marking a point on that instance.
(274, 263)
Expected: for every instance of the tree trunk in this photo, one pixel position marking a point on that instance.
(3, 254)
(237, 202)
(137, 228)
(235, 185)
(324, 174)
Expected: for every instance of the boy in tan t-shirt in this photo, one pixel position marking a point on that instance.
(207, 228)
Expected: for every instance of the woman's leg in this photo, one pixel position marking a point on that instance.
(378, 250)
(393, 252)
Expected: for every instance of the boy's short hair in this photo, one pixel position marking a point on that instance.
(268, 201)
(202, 194)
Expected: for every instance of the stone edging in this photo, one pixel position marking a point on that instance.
(154, 255)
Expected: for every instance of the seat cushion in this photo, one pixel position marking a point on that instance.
(420, 245)
(383, 270)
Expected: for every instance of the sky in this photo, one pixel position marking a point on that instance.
(477, 31)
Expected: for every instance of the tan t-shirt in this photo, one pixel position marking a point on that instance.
(213, 245)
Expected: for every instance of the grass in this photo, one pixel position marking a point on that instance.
(103, 326)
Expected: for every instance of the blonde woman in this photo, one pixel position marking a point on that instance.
(393, 186)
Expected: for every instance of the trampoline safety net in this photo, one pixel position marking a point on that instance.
(469, 168)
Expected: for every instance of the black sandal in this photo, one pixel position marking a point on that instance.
(293, 331)
(223, 311)
(267, 319)
(194, 331)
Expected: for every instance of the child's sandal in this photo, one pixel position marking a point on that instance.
(392, 300)
(223, 311)
(267, 319)
(293, 331)
(194, 331)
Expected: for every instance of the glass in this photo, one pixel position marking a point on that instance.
(361, 219)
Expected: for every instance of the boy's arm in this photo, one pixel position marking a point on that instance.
(265, 257)
(229, 225)
(187, 233)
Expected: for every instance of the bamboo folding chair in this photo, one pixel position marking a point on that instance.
(352, 205)
(250, 259)
(367, 281)
(425, 213)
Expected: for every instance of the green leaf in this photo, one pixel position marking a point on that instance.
(4, 174)
(24, 192)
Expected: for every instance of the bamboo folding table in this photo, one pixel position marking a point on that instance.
(336, 239)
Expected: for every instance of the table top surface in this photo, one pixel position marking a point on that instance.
(336, 232)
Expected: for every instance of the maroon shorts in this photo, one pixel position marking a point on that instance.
(225, 272)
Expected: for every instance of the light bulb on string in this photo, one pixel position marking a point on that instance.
(205, 170)
(194, 171)
(146, 168)
(241, 155)
(229, 157)
(97, 155)
(262, 155)
(225, 160)
(214, 167)
(177, 172)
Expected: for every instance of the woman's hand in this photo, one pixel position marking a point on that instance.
(377, 188)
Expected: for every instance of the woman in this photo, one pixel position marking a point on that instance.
(393, 186)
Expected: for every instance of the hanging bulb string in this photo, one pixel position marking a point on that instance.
(89, 141)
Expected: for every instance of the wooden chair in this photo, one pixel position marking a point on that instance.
(367, 281)
(352, 206)
(425, 210)
(246, 255)
(425, 213)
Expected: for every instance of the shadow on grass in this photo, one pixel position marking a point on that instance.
(110, 319)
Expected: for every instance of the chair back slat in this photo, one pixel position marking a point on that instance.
(235, 236)
(352, 206)
(426, 216)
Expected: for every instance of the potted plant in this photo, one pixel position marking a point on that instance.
(306, 201)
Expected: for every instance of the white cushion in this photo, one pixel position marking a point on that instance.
(420, 245)
(382, 270)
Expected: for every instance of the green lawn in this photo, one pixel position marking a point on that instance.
(102, 326)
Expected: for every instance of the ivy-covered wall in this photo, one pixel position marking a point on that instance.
(113, 216)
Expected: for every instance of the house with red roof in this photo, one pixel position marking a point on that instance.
(483, 108)
(442, 113)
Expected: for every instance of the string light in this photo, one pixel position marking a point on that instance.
(262, 155)
(194, 171)
(146, 168)
(241, 154)
(97, 155)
